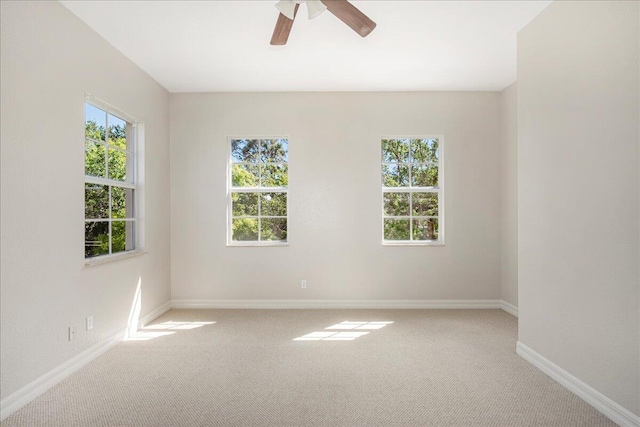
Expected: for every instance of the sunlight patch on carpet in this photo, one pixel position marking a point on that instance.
(163, 329)
(337, 333)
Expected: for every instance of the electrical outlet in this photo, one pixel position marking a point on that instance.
(89, 323)
(72, 333)
(303, 284)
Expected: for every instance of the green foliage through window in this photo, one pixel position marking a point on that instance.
(411, 192)
(259, 181)
(109, 184)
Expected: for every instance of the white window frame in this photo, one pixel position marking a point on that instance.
(137, 138)
(439, 190)
(259, 189)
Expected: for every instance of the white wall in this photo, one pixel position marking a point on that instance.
(49, 59)
(578, 171)
(335, 197)
(509, 195)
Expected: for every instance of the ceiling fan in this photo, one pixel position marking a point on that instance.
(342, 9)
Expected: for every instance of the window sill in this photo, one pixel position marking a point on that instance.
(105, 259)
(257, 244)
(402, 243)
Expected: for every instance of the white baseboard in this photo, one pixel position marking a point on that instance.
(599, 401)
(145, 320)
(26, 394)
(352, 304)
(509, 308)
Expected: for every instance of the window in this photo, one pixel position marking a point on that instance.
(109, 183)
(412, 197)
(257, 191)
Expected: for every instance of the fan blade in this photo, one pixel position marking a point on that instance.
(283, 28)
(350, 15)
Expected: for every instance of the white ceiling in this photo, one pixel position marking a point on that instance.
(223, 46)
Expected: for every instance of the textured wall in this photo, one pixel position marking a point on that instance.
(578, 113)
(49, 60)
(335, 197)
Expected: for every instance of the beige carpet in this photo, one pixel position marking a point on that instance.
(427, 368)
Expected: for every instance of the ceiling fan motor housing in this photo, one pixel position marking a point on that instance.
(342, 9)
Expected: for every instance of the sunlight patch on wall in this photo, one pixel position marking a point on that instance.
(134, 313)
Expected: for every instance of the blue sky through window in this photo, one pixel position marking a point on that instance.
(94, 114)
(99, 116)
